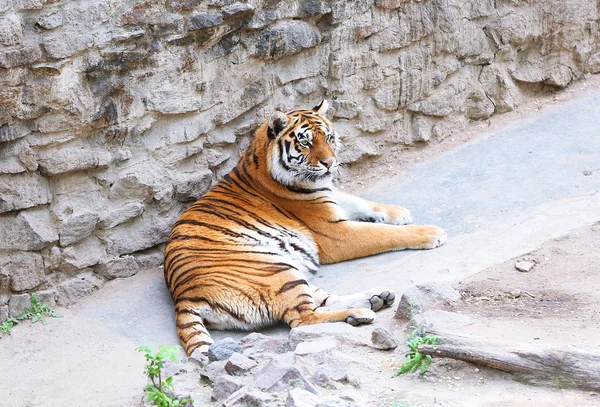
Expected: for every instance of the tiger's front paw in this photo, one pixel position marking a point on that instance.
(427, 237)
(398, 215)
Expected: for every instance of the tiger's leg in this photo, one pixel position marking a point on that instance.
(360, 209)
(375, 299)
(297, 307)
(350, 240)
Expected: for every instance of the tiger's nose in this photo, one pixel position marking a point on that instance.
(328, 162)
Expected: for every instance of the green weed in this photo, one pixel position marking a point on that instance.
(6, 326)
(38, 311)
(161, 392)
(414, 359)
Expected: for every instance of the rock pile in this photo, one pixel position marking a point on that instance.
(324, 370)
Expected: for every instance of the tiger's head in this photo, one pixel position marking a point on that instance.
(303, 147)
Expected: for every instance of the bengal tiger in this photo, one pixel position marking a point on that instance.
(238, 257)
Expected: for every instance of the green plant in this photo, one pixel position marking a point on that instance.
(414, 358)
(6, 326)
(38, 311)
(161, 393)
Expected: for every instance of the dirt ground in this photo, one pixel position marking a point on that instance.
(554, 304)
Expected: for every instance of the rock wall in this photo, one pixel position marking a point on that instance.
(115, 114)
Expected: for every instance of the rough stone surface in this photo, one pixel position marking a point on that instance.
(525, 265)
(301, 398)
(32, 229)
(132, 109)
(238, 364)
(20, 191)
(72, 290)
(119, 268)
(258, 346)
(310, 347)
(246, 397)
(18, 303)
(279, 373)
(420, 296)
(341, 331)
(223, 349)
(225, 386)
(26, 270)
(383, 339)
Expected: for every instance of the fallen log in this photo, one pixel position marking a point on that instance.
(562, 367)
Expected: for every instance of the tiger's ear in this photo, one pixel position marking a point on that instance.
(321, 108)
(277, 123)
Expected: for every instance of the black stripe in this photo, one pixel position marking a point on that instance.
(290, 285)
(299, 190)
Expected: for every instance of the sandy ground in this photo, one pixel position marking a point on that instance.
(77, 360)
(556, 304)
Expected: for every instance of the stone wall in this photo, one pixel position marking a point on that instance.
(115, 114)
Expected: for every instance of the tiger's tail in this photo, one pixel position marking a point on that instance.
(192, 332)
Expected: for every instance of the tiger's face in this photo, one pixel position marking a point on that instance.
(303, 147)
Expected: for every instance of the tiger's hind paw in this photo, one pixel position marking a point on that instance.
(379, 301)
(360, 317)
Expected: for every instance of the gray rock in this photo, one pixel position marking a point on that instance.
(122, 213)
(243, 100)
(248, 397)
(71, 291)
(341, 331)
(258, 346)
(280, 373)
(3, 313)
(75, 224)
(383, 339)
(62, 44)
(153, 257)
(83, 254)
(479, 106)
(286, 38)
(20, 191)
(223, 349)
(420, 296)
(31, 229)
(301, 398)
(439, 320)
(118, 268)
(143, 232)
(225, 386)
(238, 11)
(421, 128)
(18, 303)
(192, 186)
(50, 19)
(27, 53)
(64, 160)
(525, 266)
(214, 370)
(11, 32)
(48, 297)
(207, 19)
(311, 347)
(26, 270)
(239, 364)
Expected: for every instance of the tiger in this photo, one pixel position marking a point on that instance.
(238, 258)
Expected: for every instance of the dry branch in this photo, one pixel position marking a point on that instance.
(563, 367)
